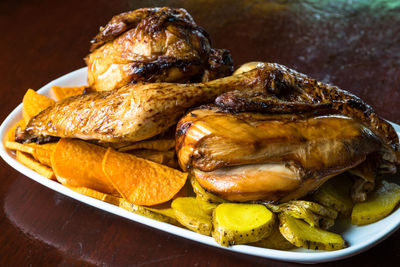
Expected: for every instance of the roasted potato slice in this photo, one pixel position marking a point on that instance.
(274, 241)
(239, 223)
(159, 215)
(190, 213)
(378, 205)
(335, 194)
(314, 214)
(202, 194)
(301, 234)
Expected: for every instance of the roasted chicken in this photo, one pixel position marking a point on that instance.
(272, 134)
(154, 45)
(140, 111)
(274, 157)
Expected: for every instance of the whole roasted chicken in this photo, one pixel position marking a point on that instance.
(154, 45)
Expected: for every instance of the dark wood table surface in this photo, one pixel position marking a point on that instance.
(356, 47)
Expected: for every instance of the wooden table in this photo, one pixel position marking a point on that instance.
(355, 47)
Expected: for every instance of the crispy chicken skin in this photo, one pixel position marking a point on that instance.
(274, 157)
(153, 45)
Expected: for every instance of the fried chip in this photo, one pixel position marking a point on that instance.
(61, 92)
(19, 147)
(157, 144)
(29, 162)
(140, 181)
(97, 195)
(79, 164)
(33, 104)
(43, 152)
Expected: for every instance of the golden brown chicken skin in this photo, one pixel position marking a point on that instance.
(273, 157)
(153, 45)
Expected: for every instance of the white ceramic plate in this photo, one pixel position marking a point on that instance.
(359, 238)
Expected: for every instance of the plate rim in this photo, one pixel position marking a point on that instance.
(391, 222)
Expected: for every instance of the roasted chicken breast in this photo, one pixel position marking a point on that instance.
(274, 157)
(153, 45)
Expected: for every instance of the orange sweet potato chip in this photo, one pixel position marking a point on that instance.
(43, 155)
(79, 164)
(61, 92)
(19, 147)
(140, 181)
(29, 162)
(161, 157)
(157, 144)
(97, 195)
(33, 104)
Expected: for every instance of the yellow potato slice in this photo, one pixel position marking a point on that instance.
(274, 241)
(335, 194)
(240, 223)
(189, 212)
(29, 162)
(301, 234)
(378, 205)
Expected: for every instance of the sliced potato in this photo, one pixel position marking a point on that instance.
(335, 194)
(300, 212)
(301, 234)
(190, 214)
(163, 215)
(239, 223)
(147, 212)
(316, 208)
(208, 207)
(274, 241)
(378, 205)
(313, 213)
(202, 194)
